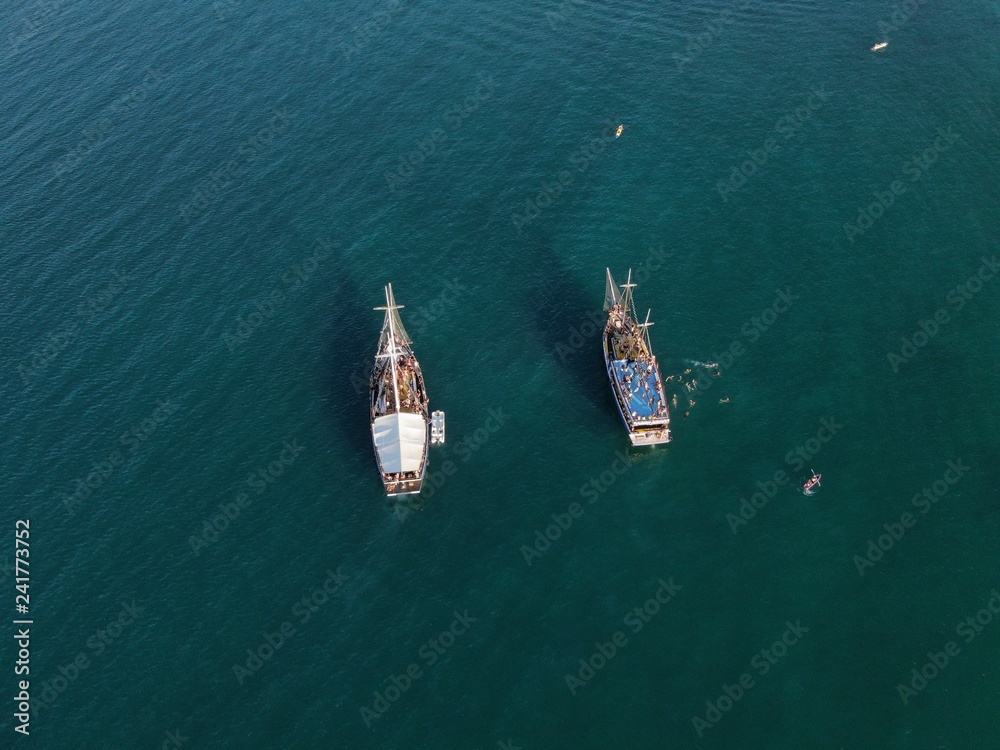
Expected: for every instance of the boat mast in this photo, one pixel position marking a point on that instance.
(390, 305)
(628, 286)
(611, 297)
(645, 331)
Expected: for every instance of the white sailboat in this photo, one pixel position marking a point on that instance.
(399, 407)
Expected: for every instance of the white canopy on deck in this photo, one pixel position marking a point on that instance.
(400, 440)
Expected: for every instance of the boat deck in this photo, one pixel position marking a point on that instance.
(412, 393)
(640, 383)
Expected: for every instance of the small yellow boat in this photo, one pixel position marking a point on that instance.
(880, 46)
(621, 129)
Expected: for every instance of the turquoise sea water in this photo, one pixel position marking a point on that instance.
(200, 206)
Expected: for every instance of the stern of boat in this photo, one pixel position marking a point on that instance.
(405, 487)
(655, 436)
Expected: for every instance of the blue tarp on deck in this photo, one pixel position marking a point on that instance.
(641, 381)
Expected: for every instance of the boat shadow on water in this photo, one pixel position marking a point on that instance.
(349, 337)
(570, 318)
